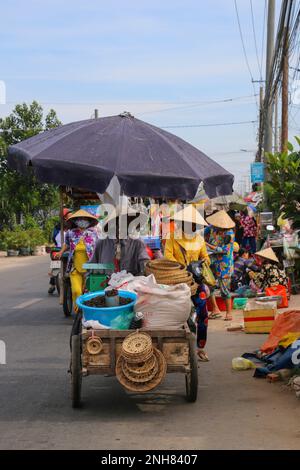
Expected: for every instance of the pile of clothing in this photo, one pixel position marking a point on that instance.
(281, 351)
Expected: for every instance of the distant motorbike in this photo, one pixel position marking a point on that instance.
(54, 273)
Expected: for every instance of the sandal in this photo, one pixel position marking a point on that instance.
(228, 319)
(214, 316)
(202, 356)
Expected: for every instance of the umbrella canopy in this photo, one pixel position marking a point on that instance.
(146, 160)
(233, 201)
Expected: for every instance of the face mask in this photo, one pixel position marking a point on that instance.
(82, 223)
(190, 236)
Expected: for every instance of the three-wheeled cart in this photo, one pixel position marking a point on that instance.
(177, 346)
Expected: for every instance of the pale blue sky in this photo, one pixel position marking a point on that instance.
(141, 56)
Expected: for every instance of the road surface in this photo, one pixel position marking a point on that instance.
(234, 410)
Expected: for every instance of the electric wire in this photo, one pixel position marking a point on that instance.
(244, 48)
(255, 39)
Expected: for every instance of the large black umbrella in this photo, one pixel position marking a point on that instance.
(147, 161)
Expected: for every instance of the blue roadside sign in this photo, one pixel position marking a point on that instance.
(257, 172)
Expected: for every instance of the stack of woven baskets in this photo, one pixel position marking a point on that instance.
(170, 273)
(140, 367)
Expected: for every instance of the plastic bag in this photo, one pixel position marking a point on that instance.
(122, 322)
(240, 363)
(208, 277)
(287, 322)
(127, 281)
(281, 292)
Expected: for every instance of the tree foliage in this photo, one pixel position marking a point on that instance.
(283, 186)
(22, 196)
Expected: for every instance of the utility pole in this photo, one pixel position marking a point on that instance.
(258, 157)
(268, 147)
(268, 108)
(285, 93)
(96, 114)
(276, 144)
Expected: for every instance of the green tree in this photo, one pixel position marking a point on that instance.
(283, 187)
(23, 195)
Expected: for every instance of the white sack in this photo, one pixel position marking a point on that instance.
(163, 306)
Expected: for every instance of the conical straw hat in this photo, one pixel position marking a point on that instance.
(126, 210)
(189, 214)
(221, 220)
(268, 253)
(82, 213)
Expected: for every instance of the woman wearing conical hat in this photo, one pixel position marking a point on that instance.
(221, 240)
(185, 245)
(80, 241)
(123, 246)
(270, 275)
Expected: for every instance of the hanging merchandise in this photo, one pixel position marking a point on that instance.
(140, 367)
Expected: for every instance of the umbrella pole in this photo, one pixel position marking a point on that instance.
(62, 241)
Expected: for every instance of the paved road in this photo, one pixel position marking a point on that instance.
(234, 411)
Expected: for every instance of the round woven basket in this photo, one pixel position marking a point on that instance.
(179, 277)
(163, 264)
(136, 343)
(140, 378)
(138, 358)
(137, 347)
(142, 368)
(143, 387)
(171, 273)
(94, 345)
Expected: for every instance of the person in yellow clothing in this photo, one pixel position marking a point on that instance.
(80, 241)
(77, 276)
(185, 246)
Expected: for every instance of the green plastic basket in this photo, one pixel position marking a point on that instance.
(96, 282)
(240, 303)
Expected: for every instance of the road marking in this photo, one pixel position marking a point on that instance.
(27, 304)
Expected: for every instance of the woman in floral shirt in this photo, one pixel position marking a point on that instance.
(80, 241)
(249, 232)
(270, 274)
(221, 240)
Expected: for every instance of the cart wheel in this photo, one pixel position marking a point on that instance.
(76, 371)
(76, 327)
(68, 302)
(191, 378)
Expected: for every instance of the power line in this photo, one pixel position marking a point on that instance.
(242, 39)
(2, 131)
(209, 125)
(244, 47)
(124, 102)
(255, 40)
(263, 36)
(201, 103)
